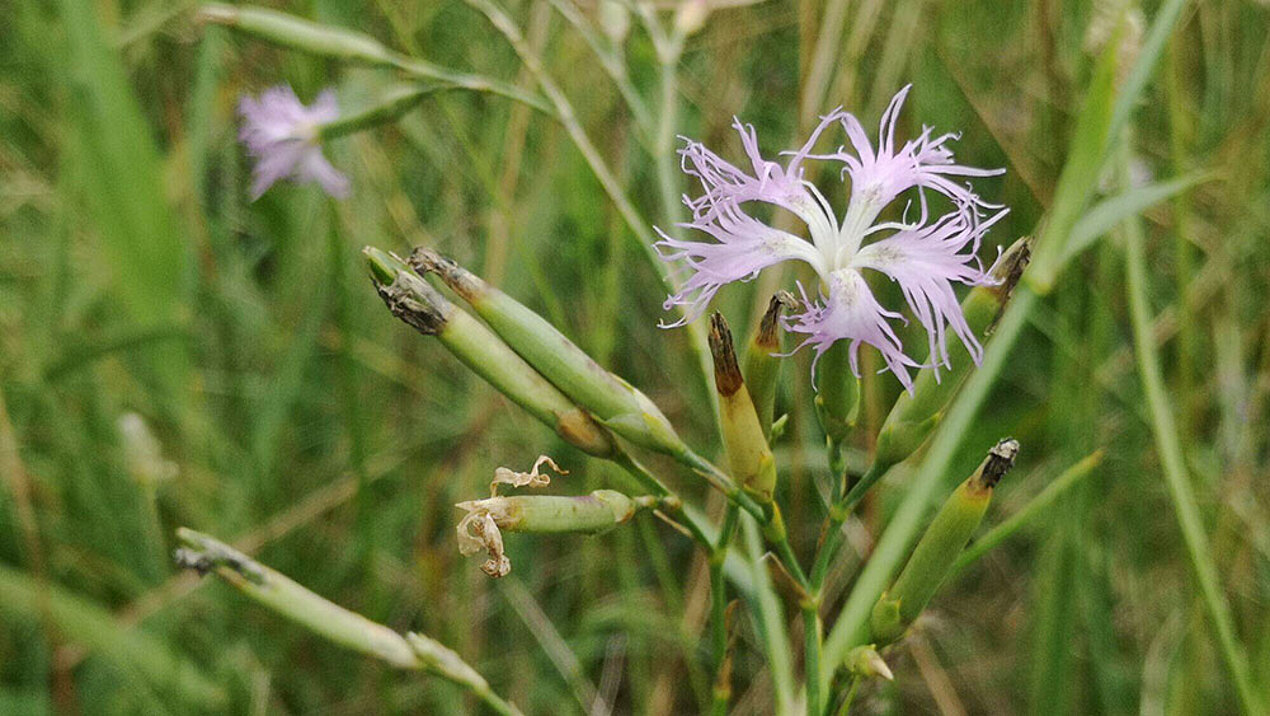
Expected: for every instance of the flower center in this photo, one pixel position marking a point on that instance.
(861, 212)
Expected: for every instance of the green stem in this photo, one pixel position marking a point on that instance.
(850, 628)
(838, 513)
(845, 708)
(722, 691)
(1180, 489)
(811, 652)
(786, 553)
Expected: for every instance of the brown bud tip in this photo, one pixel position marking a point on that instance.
(415, 302)
(727, 374)
(1009, 266)
(769, 328)
(460, 280)
(1000, 460)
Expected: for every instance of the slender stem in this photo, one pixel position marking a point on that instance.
(666, 120)
(838, 513)
(786, 553)
(1180, 489)
(497, 704)
(610, 60)
(568, 118)
(722, 692)
(724, 483)
(851, 691)
(650, 482)
(811, 658)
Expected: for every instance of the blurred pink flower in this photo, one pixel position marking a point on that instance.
(924, 256)
(282, 135)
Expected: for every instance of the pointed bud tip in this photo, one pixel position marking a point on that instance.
(727, 373)
(866, 661)
(411, 299)
(460, 280)
(768, 335)
(1000, 460)
(383, 266)
(1010, 264)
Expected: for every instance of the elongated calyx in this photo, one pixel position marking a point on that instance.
(481, 528)
(838, 392)
(422, 307)
(762, 360)
(915, 415)
(952, 528)
(749, 456)
(618, 405)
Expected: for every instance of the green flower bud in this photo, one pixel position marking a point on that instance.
(762, 364)
(866, 662)
(838, 392)
(947, 535)
(618, 405)
(298, 33)
(749, 456)
(915, 415)
(418, 304)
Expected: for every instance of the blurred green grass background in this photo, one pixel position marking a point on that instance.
(298, 420)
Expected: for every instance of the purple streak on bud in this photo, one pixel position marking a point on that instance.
(281, 134)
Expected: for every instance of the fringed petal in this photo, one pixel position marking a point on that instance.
(926, 262)
(850, 312)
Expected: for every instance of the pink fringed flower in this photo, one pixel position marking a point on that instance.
(924, 256)
(282, 135)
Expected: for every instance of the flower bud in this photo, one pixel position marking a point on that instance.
(418, 304)
(866, 662)
(952, 528)
(762, 364)
(298, 34)
(613, 401)
(838, 392)
(917, 413)
(749, 456)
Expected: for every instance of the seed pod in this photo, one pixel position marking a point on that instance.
(916, 414)
(749, 456)
(279, 593)
(480, 529)
(952, 528)
(618, 405)
(553, 514)
(298, 33)
(762, 364)
(418, 304)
